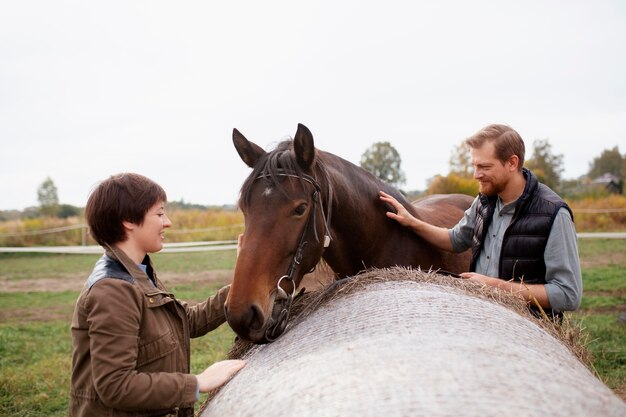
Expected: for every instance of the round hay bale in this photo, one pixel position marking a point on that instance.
(402, 342)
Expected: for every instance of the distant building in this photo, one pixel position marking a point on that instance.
(612, 183)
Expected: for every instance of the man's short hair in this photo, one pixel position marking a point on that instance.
(507, 142)
(119, 198)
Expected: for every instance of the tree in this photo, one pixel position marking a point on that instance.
(610, 161)
(453, 184)
(383, 160)
(461, 161)
(67, 210)
(545, 165)
(48, 197)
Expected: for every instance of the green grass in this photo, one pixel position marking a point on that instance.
(195, 291)
(604, 299)
(20, 307)
(18, 266)
(15, 300)
(35, 343)
(194, 262)
(36, 367)
(607, 345)
(590, 248)
(602, 302)
(605, 278)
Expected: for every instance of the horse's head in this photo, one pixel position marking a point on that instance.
(286, 231)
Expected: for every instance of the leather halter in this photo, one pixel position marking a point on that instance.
(283, 300)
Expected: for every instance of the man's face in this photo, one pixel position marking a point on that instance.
(491, 174)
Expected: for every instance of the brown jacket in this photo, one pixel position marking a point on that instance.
(130, 339)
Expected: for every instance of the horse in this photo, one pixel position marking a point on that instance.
(301, 204)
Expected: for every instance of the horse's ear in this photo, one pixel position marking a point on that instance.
(248, 151)
(304, 147)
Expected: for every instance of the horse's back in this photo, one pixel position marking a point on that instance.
(443, 210)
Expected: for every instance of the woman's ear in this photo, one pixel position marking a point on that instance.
(129, 226)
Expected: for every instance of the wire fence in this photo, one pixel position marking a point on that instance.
(85, 228)
(96, 249)
(78, 235)
(44, 231)
(207, 246)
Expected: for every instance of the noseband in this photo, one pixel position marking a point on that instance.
(283, 300)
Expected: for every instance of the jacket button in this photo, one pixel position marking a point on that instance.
(151, 300)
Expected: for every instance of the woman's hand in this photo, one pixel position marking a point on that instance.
(218, 374)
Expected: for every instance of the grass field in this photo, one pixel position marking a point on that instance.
(37, 293)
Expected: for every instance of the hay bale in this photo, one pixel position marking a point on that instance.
(401, 342)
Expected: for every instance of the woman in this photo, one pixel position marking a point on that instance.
(130, 335)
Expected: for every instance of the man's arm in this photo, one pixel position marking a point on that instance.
(437, 236)
(563, 276)
(532, 293)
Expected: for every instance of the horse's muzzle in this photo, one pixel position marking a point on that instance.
(254, 326)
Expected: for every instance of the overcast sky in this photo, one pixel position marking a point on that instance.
(88, 89)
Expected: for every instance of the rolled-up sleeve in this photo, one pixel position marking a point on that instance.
(461, 234)
(564, 285)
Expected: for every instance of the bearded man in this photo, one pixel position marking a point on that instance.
(521, 232)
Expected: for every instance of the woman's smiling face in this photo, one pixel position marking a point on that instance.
(150, 234)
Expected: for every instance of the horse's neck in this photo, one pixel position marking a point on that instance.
(359, 225)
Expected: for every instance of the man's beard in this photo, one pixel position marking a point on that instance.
(490, 188)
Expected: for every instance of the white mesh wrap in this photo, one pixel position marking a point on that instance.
(414, 349)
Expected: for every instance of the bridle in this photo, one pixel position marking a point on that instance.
(283, 299)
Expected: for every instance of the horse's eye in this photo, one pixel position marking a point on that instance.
(299, 211)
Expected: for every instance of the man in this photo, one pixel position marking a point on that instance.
(521, 232)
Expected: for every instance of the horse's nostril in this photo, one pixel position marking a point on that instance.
(255, 318)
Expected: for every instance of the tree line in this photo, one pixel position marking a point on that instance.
(384, 161)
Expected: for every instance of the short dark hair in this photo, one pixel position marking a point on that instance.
(506, 141)
(119, 198)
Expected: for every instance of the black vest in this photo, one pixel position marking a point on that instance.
(525, 239)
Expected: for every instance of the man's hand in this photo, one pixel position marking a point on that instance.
(435, 235)
(401, 214)
(483, 279)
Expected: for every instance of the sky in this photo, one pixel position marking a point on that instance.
(93, 88)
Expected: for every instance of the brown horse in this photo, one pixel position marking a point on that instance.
(301, 204)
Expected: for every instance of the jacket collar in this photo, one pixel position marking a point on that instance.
(529, 189)
(134, 270)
